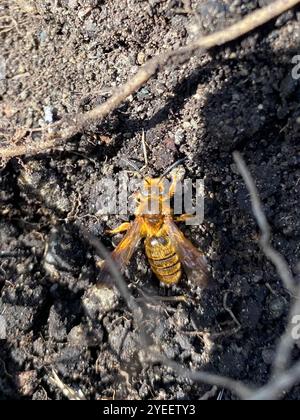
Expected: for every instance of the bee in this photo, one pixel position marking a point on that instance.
(168, 251)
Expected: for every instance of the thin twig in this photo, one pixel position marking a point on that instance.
(120, 283)
(237, 387)
(279, 385)
(287, 341)
(227, 309)
(209, 394)
(176, 57)
(274, 256)
(65, 389)
(144, 149)
(281, 380)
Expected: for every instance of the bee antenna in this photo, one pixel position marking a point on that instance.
(167, 171)
(133, 165)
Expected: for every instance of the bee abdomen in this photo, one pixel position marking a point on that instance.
(163, 259)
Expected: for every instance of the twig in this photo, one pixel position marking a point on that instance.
(274, 256)
(176, 57)
(227, 309)
(287, 341)
(65, 389)
(281, 380)
(7, 17)
(209, 394)
(144, 150)
(114, 271)
(120, 283)
(238, 388)
(277, 386)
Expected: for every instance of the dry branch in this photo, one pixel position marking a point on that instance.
(282, 380)
(236, 387)
(77, 123)
(279, 385)
(287, 342)
(274, 256)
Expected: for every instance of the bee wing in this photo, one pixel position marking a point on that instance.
(191, 258)
(123, 252)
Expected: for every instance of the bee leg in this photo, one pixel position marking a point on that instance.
(122, 228)
(183, 217)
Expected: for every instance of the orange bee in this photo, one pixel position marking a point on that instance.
(167, 249)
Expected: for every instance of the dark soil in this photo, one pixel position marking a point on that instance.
(67, 56)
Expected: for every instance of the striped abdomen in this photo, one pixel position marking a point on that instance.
(163, 259)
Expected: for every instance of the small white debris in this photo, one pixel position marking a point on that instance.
(2, 328)
(179, 136)
(2, 68)
(48, 114)
(73, 4)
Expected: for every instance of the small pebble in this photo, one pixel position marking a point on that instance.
(98, 301)
(277, 307)
(43, 36)
(27, 382)
(268, 356)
